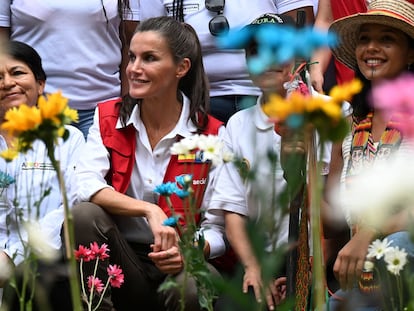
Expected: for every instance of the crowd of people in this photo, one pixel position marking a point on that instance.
(145, 75)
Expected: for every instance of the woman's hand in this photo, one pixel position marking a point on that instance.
(350, 260)
(165, 237)
(168, 261)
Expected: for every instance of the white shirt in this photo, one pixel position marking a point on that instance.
(34, 174)
(250, 136)
(148, 172)
(226, 69)
(79, 47)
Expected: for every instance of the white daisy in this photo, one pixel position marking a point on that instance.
(185, 145)
(212, 148)
(396, 259)
(379, 248)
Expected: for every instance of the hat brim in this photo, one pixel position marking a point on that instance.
(347, 29)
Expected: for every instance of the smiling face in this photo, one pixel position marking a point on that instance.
(151, 70)
(382, 52)
(18, 84)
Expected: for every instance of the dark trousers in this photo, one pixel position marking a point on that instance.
(142, 278)
(223, 107)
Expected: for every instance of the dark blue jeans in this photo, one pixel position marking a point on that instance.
(223, 107)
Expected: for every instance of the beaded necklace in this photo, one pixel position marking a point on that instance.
(363, 149)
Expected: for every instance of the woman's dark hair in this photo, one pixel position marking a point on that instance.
(361, 103)
(183, 43)
(28, 55)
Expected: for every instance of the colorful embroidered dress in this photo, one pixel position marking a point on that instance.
(359, 150)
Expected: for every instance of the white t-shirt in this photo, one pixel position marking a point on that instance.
(79, 47)
(250, 136)
(226, 69)
(34, 174)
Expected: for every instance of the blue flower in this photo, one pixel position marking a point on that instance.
(171, 221)
(166, 189)
(6, 180)
(277, 44)
(184, 180)
(182, 193)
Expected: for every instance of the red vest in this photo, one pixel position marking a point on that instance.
(121, 144)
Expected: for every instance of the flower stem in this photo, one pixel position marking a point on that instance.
(315, 189)
(102, 295)
(69, 234)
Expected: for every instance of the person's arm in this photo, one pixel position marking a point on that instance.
(4, 33)
(321, 58)
(236, 232)
(7, 266)
(333, 224)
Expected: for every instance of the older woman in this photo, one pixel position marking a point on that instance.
(35, 195)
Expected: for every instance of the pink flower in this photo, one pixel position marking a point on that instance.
(97, 284)
(99, 252)
(116, 278)
(83, 253)
(395, 97)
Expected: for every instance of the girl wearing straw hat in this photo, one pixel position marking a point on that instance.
(378, 45)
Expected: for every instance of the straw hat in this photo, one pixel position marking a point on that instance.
(398, 14)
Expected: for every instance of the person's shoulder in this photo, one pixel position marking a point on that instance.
(108, 107)
(242, 116)
(110, 102)
(74, 132)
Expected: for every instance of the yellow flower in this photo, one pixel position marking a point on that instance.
(9, 154)
(345, 91)
(298, 102)
(71, 114)
(315, 104)
(61, 131)
(332, 110)
(52, 107)
(277, 107)
(21, 119)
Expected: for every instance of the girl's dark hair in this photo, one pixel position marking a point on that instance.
(123, 5)
(28, 55)
(178, 10)
(361, 103)
(183, 43)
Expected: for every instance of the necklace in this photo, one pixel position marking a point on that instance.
(364, 151)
